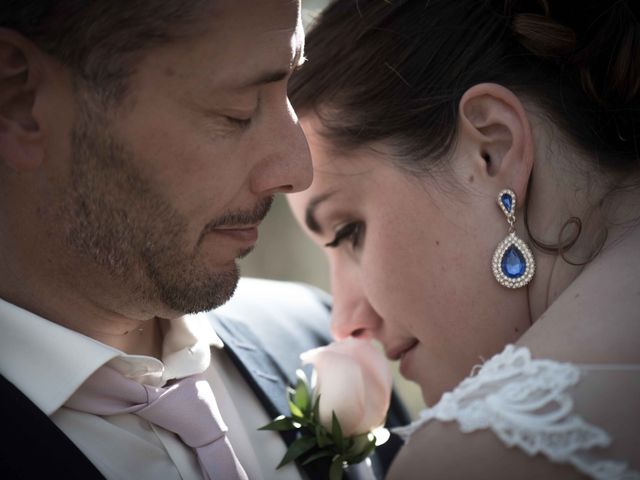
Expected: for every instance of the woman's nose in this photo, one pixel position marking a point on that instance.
(352, 313)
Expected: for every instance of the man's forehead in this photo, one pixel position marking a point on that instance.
(259, 48)
(276, 15)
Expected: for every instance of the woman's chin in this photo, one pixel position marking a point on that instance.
(430, 396)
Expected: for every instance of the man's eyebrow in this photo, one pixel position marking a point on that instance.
(310, 213)
(265, 78)
(277, 75)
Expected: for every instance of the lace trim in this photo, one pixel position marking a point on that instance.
(524, 402)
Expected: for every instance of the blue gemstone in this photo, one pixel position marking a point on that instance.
(513, 263)
(507, 201)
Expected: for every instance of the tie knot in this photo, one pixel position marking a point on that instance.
(187, 408)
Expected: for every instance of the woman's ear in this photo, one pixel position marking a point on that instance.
(494, 126)
(21, 139)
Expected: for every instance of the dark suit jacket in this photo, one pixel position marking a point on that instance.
(264, 327)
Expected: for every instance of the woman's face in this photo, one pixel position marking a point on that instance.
(410, 261)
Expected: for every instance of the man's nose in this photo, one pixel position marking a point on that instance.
(287, 167)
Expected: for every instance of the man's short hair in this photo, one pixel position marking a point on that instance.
(100, 40)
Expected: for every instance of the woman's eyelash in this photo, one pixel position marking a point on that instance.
(351, 231)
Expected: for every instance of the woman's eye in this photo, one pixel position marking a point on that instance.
(350, 231)
(239, 122)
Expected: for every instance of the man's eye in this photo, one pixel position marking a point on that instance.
(351, 231)
(239, 122)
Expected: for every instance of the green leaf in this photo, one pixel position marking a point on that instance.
(316, 456)
(302, 421)
(322, 436)
(299, 447)
(336, 432)
(316, 410)
(358, 444)
(302, 378)
(281, 424)
(295, 410)
(301, 397)
(361, 456)
(337, 469)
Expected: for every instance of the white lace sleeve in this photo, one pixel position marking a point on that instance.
(525, 403)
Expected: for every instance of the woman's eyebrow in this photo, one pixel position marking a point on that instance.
(310, 213)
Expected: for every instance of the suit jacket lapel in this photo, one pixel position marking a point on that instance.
(266, 378)
(34, 446)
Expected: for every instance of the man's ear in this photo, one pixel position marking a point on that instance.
(21, 139)
(496, 129)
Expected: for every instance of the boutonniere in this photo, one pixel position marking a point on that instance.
(339, 414)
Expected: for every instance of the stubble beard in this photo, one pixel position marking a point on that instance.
(112, 216)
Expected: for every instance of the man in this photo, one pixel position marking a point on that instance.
(141, 144)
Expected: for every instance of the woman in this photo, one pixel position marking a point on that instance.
(476, 189)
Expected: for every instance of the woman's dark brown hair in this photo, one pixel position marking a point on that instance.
(396, 70)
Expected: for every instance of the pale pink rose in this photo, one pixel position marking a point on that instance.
(353, 379)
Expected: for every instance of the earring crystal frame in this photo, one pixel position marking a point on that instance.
(511, 240)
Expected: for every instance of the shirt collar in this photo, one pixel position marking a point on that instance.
(48, 362)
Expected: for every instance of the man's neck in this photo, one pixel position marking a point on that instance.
(143, 340)
(132, 332)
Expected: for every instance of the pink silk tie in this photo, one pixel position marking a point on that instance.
(187, 408)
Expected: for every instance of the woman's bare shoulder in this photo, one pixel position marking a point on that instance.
(441, 450)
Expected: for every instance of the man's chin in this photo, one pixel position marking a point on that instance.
(200, 295)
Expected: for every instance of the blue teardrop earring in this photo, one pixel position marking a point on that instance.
(513, 264)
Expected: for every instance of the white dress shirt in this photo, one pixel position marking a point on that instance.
(48, 362)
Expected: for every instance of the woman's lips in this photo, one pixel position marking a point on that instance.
(396, 353)
(405, 358)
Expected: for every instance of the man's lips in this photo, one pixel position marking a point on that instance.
(239, 225)
(398, 351)
(242, 233)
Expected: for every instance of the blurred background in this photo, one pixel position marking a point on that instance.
(283, 251)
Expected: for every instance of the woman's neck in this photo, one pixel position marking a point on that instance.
(589, 218)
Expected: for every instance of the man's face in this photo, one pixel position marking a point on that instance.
(166, 190)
